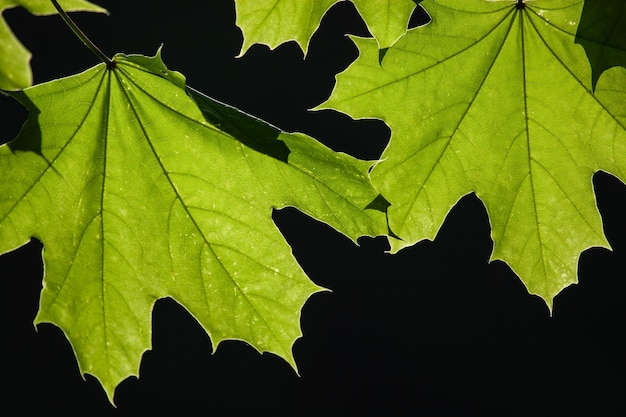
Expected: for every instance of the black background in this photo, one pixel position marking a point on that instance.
(434, 330)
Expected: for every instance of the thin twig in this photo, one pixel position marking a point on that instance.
(90, 45)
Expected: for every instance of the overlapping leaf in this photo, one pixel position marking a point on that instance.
(495, 97)
(15, 70)
(139, 192)
(273, 22)
(602, 31)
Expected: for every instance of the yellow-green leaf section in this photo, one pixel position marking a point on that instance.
(139, 192)
(495, 97)
(273, 22)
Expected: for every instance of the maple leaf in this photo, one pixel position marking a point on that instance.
(139, 192)
(273, 22)
(495, 98)
(15, 70)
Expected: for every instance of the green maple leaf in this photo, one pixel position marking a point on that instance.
(495, 97)
(273, 22)
(15, 70)
(139, 192)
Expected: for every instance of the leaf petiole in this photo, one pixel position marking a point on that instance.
(81, 35)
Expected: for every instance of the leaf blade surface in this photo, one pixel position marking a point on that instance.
(272, 22)
(137, 196)
(497, 100)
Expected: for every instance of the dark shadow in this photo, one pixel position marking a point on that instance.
(602, 32)
(610, 196)
(419, 17)
(29, 137)
(381, 204)
(252, 132)
(381, 55)
(13, 117)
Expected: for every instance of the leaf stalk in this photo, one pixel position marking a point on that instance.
(81, 35)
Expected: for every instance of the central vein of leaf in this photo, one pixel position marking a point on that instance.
(106, 120)
(529, 153)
